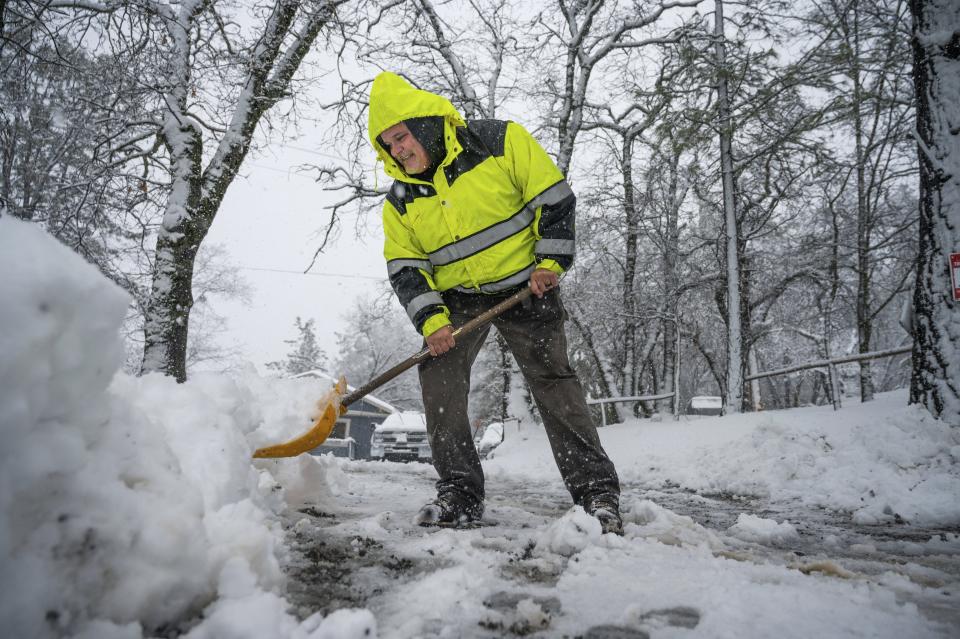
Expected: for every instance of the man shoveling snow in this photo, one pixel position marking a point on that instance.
(478, 210)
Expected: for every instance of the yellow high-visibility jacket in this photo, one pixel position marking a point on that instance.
(496, 208)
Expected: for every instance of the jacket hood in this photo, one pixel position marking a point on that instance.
(393, 100)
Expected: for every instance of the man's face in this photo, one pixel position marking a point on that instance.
(406, 149)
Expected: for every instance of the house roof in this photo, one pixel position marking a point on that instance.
(370, 399)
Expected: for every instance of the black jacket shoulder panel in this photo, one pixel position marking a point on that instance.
(490, 133)
(480, 139)
(403, 193)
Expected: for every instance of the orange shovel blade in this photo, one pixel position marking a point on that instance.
(330, 411)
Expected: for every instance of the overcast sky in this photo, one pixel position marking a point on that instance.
(270, 225)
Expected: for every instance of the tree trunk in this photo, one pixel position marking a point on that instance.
(629, 384)
(506, 370)
(614, 416)
(734, 395)
(756, 402)
(167, 317)
(745, 271)
(864, 317)
(935, 381)
(671, 281)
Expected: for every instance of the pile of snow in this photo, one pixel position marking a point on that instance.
(882, 461)
(129, 505)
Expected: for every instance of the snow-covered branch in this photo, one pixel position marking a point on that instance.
(270, 74)
(471, 103)
(614, 40)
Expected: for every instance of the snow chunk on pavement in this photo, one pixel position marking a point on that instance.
(644, 518)
(570, 534)
(757, 529)
(304, 480)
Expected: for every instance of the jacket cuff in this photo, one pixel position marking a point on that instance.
(550, 265)
(434, 323)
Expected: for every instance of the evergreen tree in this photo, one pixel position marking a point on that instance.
(305, 355)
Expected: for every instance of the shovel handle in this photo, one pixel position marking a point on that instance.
(469, 327)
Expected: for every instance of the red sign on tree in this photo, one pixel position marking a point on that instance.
(955, 275)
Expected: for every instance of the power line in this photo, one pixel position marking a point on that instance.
(289, 172)
(304, 149)
(314, 152)
(343, 275)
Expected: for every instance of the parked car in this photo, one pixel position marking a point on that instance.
(705, 405)
(401, 437)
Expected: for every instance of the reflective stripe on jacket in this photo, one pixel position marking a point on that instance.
(497, 207)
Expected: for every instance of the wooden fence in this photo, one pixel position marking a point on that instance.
(829, 364)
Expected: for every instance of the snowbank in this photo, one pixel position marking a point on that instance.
(128, 505)
(877, 461)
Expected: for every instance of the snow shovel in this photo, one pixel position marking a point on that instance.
(334, 403)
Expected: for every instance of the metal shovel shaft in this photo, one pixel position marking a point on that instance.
(332, 409)
(480, 320)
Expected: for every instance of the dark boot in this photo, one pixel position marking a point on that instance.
(606, 509)
(449, 510)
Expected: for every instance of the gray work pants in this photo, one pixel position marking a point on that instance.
(534, 332)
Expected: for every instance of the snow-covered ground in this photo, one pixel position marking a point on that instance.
(130, 507)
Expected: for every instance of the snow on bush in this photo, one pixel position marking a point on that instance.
(131, 506)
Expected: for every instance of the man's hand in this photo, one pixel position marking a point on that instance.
(542, 280)
(441, 340)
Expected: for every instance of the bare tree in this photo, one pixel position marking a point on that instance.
(60, 166)
(201, 85)
(80, 157)
(622, 222)
(584, 45)
(199, 183)
(866, 55)
(590, 33)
